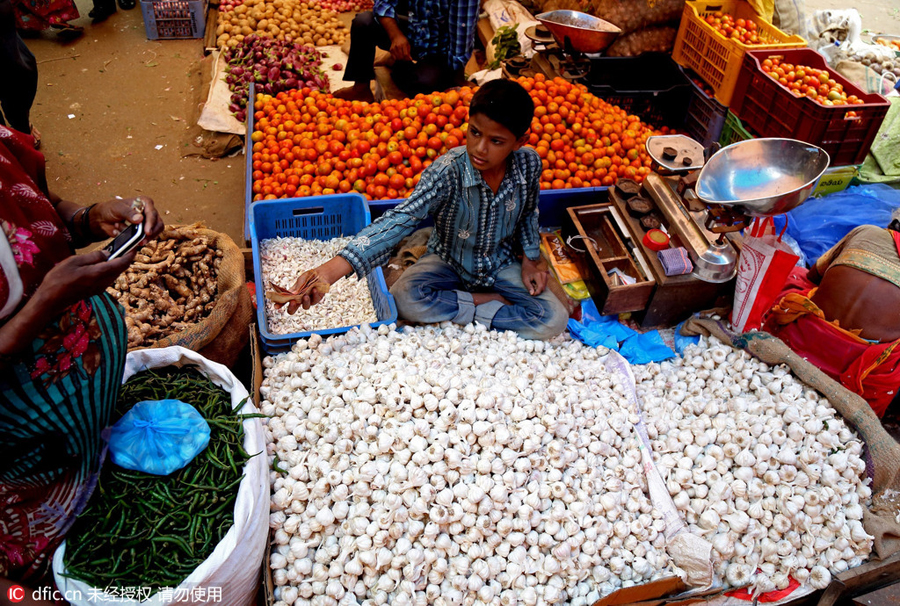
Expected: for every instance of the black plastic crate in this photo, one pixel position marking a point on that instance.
(650, 86)
(705, 116)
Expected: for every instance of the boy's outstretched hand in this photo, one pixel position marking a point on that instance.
(326, 274)
(534, 275)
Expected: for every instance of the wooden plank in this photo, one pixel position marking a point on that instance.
(886, 596)
(209, 37)
(870, 575)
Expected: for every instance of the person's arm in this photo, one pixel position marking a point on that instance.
(372, 246)
(71, 280)
(386, 11)
(534, 267)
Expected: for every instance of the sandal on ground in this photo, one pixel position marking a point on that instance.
(67, 30)
(36, 135)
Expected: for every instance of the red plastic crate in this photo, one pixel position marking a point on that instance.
(770, 109)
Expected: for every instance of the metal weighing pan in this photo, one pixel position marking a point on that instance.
(584, 33)
(762, 177)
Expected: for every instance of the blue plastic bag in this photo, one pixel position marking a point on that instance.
(681, 341)
(820, 223)
(645, 348)
(158, 437)
(596, 330)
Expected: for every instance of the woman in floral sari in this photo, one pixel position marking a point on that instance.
(38, 15)
(62, 350)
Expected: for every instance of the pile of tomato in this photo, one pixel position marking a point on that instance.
(739, 30)
(308, 143)
(891, 42)
(805, 81)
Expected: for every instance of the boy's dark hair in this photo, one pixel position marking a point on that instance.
(506, 103)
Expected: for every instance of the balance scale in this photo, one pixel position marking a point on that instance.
(749, 179)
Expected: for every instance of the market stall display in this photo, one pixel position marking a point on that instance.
(271, 66)
(196, 528)
(890, 41)
(303, 22)
(379, 149)
(185, 515)
(717, 57)
(482, 466)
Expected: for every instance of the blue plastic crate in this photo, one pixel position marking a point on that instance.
(315, 218)
(174, 19)
(552, 204)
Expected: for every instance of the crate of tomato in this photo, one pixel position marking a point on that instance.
(793, 93)
(713, 37)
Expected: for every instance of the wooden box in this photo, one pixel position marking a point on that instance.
(675, 297)
(599, 235)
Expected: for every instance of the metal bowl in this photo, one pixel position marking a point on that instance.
(585, 33)
(762, 177)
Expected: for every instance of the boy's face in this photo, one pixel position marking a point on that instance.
(489, 143)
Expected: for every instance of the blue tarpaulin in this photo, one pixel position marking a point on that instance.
(596, 330)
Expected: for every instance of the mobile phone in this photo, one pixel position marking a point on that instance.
(126, 241)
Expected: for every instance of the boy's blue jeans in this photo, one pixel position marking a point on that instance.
(431, 291)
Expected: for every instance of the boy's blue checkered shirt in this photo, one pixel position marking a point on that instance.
(438, 27)
(476, 232)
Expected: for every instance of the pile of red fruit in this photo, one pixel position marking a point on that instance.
(344, 6)
(739, 30)
(309, 143)
(804, 81)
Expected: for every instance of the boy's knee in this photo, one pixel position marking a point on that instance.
(407, 295)
(553, 323)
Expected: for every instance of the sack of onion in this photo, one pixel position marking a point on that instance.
(186, 288)
(202, 527)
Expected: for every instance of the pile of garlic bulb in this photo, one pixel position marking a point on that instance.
(347, 303)
(449, 465)
(759, 465)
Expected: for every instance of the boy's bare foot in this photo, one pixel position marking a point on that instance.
(358, 92)
(483, 297)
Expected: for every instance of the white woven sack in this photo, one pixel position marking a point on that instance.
(230, 576)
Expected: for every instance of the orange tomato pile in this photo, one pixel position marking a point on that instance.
(894, 44)
(308, 143)
(739, 30)
(817, 84)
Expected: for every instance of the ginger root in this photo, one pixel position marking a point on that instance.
(171, 286)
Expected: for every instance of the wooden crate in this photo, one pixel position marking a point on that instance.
(675, 297)
(596, 223)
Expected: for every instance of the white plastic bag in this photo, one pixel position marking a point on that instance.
(509, 12)
(230, 576)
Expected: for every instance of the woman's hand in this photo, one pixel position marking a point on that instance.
(70, 281)
(108, 218)
(79, 277)
(534, 275)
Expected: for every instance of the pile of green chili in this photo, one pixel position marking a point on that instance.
(142, 530)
